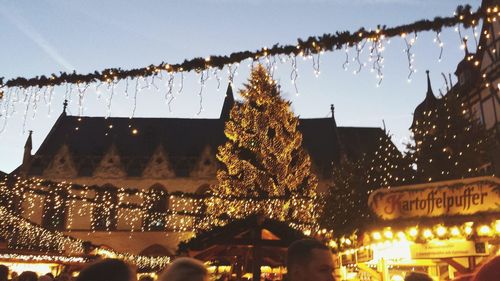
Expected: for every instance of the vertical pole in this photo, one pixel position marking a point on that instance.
(383, 269)
(256, 257)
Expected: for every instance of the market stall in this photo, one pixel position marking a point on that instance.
(244, 248)
(445, 229)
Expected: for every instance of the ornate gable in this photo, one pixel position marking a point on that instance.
(206, 167)
(62, 165)
(110, 165)
(158, 165)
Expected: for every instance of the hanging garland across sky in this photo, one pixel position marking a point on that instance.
(312, 45)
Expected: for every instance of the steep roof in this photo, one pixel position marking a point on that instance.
(239, 237)
(238, 230)
(429, 103)
(89, 138)
(183, 140)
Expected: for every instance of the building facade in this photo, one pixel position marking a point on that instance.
(478, 87)
(135, 170)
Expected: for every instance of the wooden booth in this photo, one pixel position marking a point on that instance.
(248, 248)
(446, 229)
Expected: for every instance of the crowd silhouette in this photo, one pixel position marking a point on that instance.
(307, 260)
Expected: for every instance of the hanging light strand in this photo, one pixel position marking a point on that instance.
(327, 42)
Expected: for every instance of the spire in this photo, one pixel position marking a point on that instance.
(65, 105)
(332, 109)
(228, 103)
(29, 141)
(429, 103)
(27, 154)
(337, 141)
(430, 94)
(466, 49)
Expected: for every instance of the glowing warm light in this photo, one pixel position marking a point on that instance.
(388, 234)
(413, 232)
(134, 131)
(401, 235)
(332, 244)
(441, 230)
(38, 268)
(468, 228)
(247, 180)
(376, 235)
(484, 230)
(427, 233)
(105, 253)
(399, 250)
(397, 278)
(497, 226)
(455, 231)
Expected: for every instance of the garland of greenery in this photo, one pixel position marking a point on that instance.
(312, 45)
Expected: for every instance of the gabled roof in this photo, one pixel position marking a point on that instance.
(238, 232)
(183, 140)
(89, 138)
(239, 237)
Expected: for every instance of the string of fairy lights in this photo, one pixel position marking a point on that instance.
(107, 205)
(287, 194)
(21, 234)
(32, 91)
(463, 16)
(419, 233)
(184, 215)
(43, 258)
(449, 143)
(186, 212)
(24, 234)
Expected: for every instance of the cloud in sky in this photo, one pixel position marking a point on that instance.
(29, 31)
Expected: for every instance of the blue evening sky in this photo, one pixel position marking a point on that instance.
(48, 36)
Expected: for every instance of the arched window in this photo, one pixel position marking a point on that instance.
(203, 190)
(156, 208)
(54, 209)
(105, 209)
(10, 199)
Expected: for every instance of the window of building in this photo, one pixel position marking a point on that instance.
(105, 208)
(156, 206)
(489, 113)
(54, 210)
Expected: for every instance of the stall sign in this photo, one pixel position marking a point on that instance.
(364, 255)
(460, 197)
(448, 249)
(348, 259)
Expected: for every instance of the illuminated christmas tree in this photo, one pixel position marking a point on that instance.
(345, 205)
(448, 143)
(387, 166)
(264, 168)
